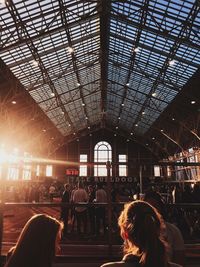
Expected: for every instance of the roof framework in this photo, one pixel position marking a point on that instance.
(89, 63)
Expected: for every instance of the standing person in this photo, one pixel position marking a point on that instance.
(37, 243)
(173, 236)
(101, 197)
(52, 191)
(65, 210)
(140, 227)
(91, 210)
(80, 195)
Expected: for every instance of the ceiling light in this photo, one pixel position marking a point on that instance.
(86, 118)
(122, 104)
(136, 49)
(116, 127)
(14, 102)
(83, 104)
(153, 138)
(136, 125)
(52, 94)
(143, 112)
(88, 127)
(78, 84)
(127, 84)
(162, 130)
(153, 94)
(35, 63)
(131, 133)
(115, 134)
(70, 49)
(173, 119)
(119, 118)
(193, 102)
(171, 62)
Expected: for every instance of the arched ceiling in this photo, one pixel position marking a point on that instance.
(120, 65)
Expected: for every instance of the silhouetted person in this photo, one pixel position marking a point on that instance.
(140, 226)
(37, 243)
(65, 210)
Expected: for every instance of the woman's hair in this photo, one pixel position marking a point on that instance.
(155, 199)
(140, 226)
(36, 245)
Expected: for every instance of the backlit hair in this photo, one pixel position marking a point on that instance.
(140, 226)
(36, 244)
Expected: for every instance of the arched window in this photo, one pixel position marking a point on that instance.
(102, 153)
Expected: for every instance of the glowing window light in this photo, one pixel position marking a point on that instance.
(38, 170)
(83, 170)
(122, 170)
(157, 171)
(49, 170)
(13, 173)
(26, 172)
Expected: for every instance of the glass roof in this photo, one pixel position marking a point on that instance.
(57, 51)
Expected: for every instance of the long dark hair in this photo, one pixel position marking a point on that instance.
(140, 226)
(37, 243)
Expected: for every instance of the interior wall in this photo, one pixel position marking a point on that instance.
(137, 154)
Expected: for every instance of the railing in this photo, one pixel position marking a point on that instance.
(185, 216)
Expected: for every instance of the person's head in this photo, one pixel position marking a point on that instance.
(37, 243)
(80, 185)
(140, 225)
(90, 188)
(66, 186)
(155, 199)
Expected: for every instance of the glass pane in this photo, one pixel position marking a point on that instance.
(122, 158)
(49, 170)
(83, 170)
(83, 157)
(122, 170)
(100, 170)
(156, 171)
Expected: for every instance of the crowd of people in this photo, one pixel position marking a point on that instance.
(81, 215)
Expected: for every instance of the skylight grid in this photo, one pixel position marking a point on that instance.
(40, 94)
(64, 84)
(85, 28)
(189, 53)
(90, 74)
(81, 8)
(17, 54)
(56, 116)
(72, 96)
